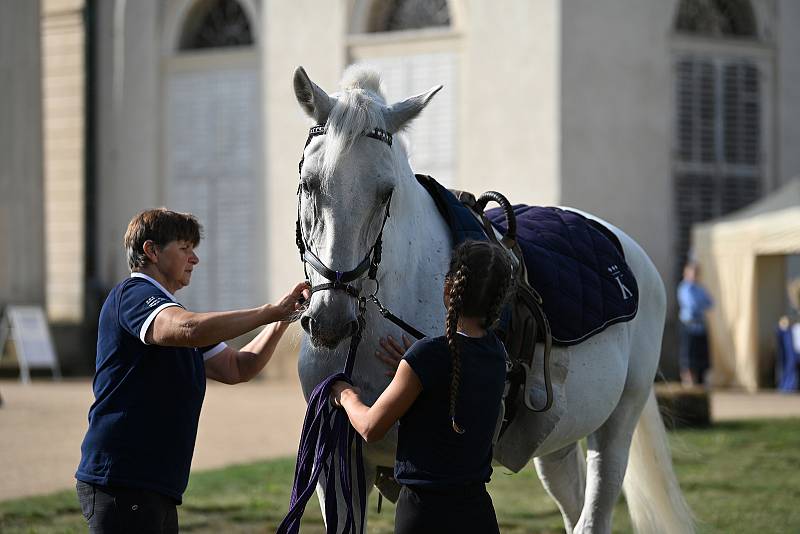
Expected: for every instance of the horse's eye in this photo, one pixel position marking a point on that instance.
(309, 183)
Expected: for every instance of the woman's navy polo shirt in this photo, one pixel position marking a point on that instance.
(429, 452)
(143, 423)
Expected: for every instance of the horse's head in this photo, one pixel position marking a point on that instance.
(347, 179)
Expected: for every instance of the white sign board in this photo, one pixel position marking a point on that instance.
(31, 336)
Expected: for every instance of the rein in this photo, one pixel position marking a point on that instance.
(327, 434)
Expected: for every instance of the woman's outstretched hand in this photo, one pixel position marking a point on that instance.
(392, 352)
(290, 307)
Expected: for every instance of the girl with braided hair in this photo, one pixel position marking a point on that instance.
(446, 393)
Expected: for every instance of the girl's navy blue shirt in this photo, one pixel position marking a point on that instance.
(143, 423)
(429, 452)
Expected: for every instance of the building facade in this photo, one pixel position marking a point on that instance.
(652, 114)
(22, 251)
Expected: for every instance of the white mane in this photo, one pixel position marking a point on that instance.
(359, 108)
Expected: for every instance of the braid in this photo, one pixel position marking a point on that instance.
(458, 284)
(479, 280)
(502, 289)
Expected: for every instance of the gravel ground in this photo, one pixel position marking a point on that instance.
(42, 425)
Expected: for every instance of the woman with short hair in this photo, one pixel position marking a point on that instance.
(153, 358)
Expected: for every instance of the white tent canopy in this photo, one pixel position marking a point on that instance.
(743, 266)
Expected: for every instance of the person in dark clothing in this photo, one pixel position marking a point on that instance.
(153, 358)
(446, 393)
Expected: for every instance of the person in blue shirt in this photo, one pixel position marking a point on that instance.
(693, 302)
(446, 394)
(153, 359)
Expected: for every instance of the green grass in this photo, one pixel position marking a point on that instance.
(740, 477)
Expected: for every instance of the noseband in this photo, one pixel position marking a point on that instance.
(340, 280)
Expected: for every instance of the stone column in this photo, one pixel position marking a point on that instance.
(21, 183)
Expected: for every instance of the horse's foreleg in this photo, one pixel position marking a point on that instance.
(563, 474)
(341, 503)
(607, 460)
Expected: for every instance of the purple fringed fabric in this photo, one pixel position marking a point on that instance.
(328, 437)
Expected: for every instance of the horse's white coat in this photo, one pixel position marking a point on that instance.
(601, 386)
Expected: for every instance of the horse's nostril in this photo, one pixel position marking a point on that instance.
(305, 323)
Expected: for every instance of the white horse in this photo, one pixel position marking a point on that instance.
(603, 387)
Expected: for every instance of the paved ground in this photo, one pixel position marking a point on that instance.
(42, 425)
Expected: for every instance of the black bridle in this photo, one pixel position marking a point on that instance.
(340, 280)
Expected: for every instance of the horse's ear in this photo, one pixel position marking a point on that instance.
(314, 101)
(398, 115)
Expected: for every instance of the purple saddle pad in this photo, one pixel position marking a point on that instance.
(577, 266)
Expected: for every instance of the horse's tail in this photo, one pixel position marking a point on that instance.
(655, 501)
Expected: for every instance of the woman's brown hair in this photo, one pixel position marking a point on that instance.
(480, 280)
(161, 226)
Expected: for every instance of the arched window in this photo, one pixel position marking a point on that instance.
(716, 18)
(216, 24)
(718, 157)
(398, 15)
(411, 63)
(212, 144)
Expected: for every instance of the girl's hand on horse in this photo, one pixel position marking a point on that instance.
(392, 352)
(336, 392)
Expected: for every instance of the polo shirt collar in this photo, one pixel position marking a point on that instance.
(155, 283)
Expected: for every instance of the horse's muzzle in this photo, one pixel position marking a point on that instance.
(327, 334)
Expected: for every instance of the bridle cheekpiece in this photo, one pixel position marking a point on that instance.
(340, 280)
